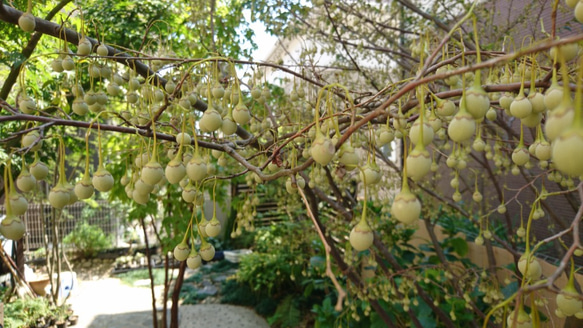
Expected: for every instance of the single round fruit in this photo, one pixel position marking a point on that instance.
(372, 174)
(322, 149)
(406, 207)
(196, 168)
(569, 51)
(229, 126)
(520, 107)
(211, 120)
(569, 302)
(477, 196)
(27, 105)
(84, 47)
(68, 63)
(553, 96)
(142, 187)
(183, 138)
(84, 188)
(102, 180)
(521, 232)
(534, 270)
(193, 261)
(140, 197)
(415, 133)
(505, 101)
(241, 113)
(461, 127)
(39, 170)
(27, 22)
(181, 251)
(256, 93)
(18, 203)
(361, 236)
(12, 227)
(520, 156)
(57, 65)
(175, 171)
(202, 227)
(520, 320)
(80, 107)
(59, 196)
(479, 240)
(435, 122)
(348, 156)
(477, 101)
(479, 145)
(567, 152)
(207, 252)
(543, 151)
(445, 108)
(532, 120)
(218, 91)
(491, 114)
(213, 228)
(385, 136)
(290, 187)
(418, 163)
(189, 193)
(29, 139)
(579, 11)
(170, 86)
(113, 89)
(537, 100)
(185, 103)
(25, 180)
(152, 172)
(558, 121)
(102, 50)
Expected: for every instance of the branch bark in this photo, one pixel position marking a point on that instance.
(27, 51)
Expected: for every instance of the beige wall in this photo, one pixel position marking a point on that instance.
(477, 254)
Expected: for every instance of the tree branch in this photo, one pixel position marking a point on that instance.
(27, 51)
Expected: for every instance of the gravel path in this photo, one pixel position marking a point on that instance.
(107, 303)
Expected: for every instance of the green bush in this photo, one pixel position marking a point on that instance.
(26, 312)
(88, 240)
(276, 279)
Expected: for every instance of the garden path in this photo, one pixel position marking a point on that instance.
(107, 303)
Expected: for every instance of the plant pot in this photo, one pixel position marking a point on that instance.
(61, 324)
(39, 286)
(73, 320)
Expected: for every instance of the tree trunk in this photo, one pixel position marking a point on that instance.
(176, 295)
(149, 257)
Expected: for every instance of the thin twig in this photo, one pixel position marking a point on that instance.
(329, 273)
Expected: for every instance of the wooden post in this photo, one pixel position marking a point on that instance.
(1, 315)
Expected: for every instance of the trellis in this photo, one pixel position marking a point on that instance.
(104, 216)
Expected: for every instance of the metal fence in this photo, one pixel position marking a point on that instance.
(104, 216)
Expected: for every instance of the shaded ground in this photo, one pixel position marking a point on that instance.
(103, 301)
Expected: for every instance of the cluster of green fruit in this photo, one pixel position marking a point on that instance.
(435, 123)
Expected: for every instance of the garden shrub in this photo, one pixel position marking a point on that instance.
(88, 240)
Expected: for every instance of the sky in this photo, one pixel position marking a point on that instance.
(264, 41)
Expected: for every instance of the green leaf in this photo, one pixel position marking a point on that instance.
(510, 289)
(459, 246)
(424, 315)
(288, 314)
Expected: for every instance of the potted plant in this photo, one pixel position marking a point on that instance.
(72, 319)
(61, 313)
